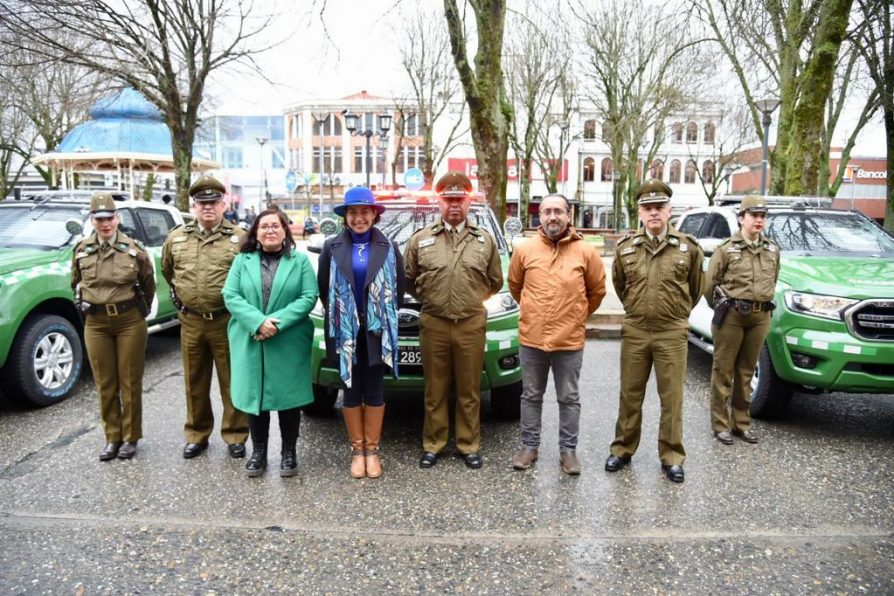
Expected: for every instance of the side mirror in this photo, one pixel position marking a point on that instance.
(512, 227)
(74, 227)
(328, 227)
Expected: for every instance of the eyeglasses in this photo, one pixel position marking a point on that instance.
(270, 228)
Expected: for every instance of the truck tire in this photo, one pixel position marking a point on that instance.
(770, 395)
(324, 401)
(45, 361)
(505, 401)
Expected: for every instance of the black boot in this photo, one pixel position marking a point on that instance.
(289, 464)
(257, 463)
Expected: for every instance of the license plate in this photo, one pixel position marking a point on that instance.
(411, 355)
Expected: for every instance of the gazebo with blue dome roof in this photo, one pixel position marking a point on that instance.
(125, 133)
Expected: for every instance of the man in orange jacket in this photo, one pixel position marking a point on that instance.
(558, 280)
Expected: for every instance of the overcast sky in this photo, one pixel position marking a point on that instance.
(352, 48)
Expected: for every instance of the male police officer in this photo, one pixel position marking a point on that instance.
(195, 260)
(115, 287)
(741, 281)
(657, 274)
(452, 267)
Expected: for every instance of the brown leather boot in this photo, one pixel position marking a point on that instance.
(372, 433)
(354, 424)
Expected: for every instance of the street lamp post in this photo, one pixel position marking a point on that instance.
(854, 171)
(320, 119)
(766, 106)
(564, 125)
(384, 124)
(263, 186)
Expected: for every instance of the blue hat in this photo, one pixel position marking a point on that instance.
(359, 196)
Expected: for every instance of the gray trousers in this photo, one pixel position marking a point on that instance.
(566, 372)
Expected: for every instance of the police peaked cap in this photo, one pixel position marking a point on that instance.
(102, 205)
(753, 204)
(454, 184)
(653, 191)
(207, 188)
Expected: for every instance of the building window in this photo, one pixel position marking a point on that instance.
(692, 132)
(677, 134)
(411, 125)
(606, 170)
(358, 160)
(232, 158)
(708, 172)
(589, 169)
(606, 131)
(276, 161)
(336, 160)
(657, 170)
(689, 177)
(675, 172)
(709, 133)
(590, 130)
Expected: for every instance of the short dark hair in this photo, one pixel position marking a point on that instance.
(556, 195)
(251, 244)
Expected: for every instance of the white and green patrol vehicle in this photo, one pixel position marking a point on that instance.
(41, 344)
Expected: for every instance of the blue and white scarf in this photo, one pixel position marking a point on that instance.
(381, 315)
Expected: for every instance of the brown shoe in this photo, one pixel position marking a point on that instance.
(372, 434)
(354, 424)
(723, 436)
(569, 462)
(746, 435)
(525, 458)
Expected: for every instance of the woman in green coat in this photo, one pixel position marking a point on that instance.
(270, 291)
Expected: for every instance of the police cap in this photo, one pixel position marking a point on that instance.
(653, 191)
(454, 184)
(207, 188)
(753, 204)
(102, 205)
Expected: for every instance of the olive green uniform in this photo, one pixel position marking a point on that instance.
(452, 274)
(114, 329)
(659, 284)
(196, 262)
(747, 272)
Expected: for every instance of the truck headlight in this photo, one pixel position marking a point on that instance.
(818, 305)
(500, 304)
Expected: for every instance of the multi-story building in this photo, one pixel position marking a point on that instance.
(252, 154)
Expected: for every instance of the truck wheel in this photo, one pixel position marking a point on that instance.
(769, 394)
(45, 361)
(505, 401)
(324, 401)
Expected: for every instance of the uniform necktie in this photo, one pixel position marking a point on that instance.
(104, 246)
(655, 241)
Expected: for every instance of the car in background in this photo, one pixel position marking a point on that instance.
(833, 327)
(41, 334)
(501, 373)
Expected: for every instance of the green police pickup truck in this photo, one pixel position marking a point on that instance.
(41, 345)
(833, 328)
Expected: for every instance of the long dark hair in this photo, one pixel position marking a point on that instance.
(251, 244)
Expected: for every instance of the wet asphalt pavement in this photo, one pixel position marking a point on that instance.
(809, 510)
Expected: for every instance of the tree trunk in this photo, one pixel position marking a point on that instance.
(804, 150)
(489, 110)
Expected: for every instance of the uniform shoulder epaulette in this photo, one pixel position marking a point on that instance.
(725, 242)
(625, 238)
(139, 244)
(692, 238)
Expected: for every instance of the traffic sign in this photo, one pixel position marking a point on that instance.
(291, 181)
(414, 179)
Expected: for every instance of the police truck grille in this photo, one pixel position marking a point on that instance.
(873, 320)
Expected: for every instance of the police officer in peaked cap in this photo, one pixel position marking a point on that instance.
(657, 274)
(114, 285)
(741, 280)
(196, 258)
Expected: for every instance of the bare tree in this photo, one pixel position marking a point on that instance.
(786, 49)
(875, 43)
(165, 49)
(489, 109)
(425, 57)
(638, 61)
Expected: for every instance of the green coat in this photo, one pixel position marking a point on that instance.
(273, 374)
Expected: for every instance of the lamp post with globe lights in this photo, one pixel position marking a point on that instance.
(383, 122)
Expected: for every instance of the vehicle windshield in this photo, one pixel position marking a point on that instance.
(400, 221)
(827, 232)
(41, 228)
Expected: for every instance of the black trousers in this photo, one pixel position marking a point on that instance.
(289, 421)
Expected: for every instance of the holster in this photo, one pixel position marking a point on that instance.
(720, 310)
(143, 305)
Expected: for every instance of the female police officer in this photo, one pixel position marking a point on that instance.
(114, 285)
(741, 280)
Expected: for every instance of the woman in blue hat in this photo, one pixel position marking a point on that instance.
(361, 282)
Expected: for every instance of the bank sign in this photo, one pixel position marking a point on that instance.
(469, 167)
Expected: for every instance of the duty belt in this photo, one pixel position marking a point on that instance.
(113, 310)
(748, 306)
(208, 316)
